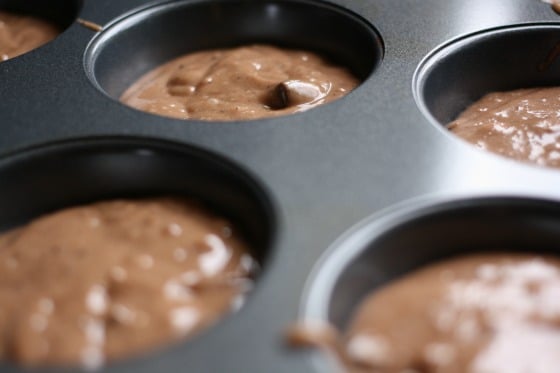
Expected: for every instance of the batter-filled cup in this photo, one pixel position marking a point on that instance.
(503, 100)
(235, 60)
(441, 286)
(99, 267)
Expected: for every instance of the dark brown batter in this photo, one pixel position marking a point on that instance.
(20, 34)
(523, 124)
(108, 280)
(242, 83)
(488, 313)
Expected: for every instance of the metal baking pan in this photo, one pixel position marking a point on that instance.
(295, 183)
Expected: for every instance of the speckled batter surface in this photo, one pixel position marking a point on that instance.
(247, 82)
(112, 279)
(522, 124)
(478, 314)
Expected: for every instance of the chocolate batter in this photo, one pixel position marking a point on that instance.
(108, 280)
(242, 83)
(523, 124)
(20, 34)
(478, 314)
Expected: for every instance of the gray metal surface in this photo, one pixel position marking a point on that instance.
(325, 170)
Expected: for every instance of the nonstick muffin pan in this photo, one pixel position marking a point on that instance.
(295, 183)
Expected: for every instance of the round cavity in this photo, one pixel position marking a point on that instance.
(55, 176)
(460, 72)
(62, 13)
(146, 38)
(395, 242)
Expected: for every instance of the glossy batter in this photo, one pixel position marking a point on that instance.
(478, 314)
(20, 34)
(487, 313)
(248, 82)
(112, 279)
(522, 124)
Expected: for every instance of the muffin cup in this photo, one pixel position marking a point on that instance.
(460, 72)
(400, 240)
(54, 176)
(147, 38)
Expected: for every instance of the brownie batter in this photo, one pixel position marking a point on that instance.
(523, 124)
(248, 82)
(21, 33)
(112, 279)
(484, 313)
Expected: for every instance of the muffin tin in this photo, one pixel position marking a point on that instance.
(294, 183)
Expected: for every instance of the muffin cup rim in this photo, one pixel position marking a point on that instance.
(449, 46)
(262, 192)
(353, 241)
